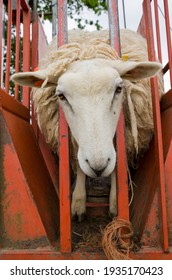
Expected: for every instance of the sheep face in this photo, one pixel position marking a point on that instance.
(91, 96)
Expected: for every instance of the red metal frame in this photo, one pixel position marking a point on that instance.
(167, 23)
(64, 180)
(157, 124)
(157, 30)
(1, 30)
(122, 179)
(26, 49)
(17, 51)
(8, 59)
(152, 201)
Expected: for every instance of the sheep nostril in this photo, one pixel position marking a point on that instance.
(108, 159)
(99, 171)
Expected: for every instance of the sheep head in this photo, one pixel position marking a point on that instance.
(91, 93)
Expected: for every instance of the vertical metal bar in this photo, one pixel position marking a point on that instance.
(26, 54)
(34, 40)
(124, 14)
(54, 18)
(34, 59)
(141, 27)
(1, 35)
(122, 178)
(157, 125)
(157, 30)
(62, 22)
(8, 57)
(114, 25)
(65, 211)
(17, 50)
(167, 24)
(25, 5)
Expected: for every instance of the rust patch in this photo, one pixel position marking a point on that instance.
(2, 177)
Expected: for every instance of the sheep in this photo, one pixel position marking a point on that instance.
(92, 83)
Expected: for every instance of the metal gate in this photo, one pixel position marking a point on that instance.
(150, 211)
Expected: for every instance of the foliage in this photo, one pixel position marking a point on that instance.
(75, 8)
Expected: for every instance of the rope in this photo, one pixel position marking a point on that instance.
(116, 240)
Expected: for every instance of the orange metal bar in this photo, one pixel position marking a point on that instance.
(167, 23)
(48, 254)
(7, 76)
(34, 62)
(141, 27)
(17, 50)
(1, 30)
(25, 6)
(157, 30)
(65, 212)
(34, 41)
(26, 54)
(122, 179)
(157, 125)
(62, 22)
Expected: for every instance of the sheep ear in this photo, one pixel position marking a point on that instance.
(133, 71)
(32, 79)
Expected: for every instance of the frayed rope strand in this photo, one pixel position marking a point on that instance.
(117, 239)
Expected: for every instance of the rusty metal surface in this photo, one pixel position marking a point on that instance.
(1, 35)
(167, 146)
(122, 178)
(146, 217)
(29, 195)
(166, 101)
(168, 178)
(20, 224)
(157, 126)
(64, 171)
(168, 34)
(47, 254)
(11, 105)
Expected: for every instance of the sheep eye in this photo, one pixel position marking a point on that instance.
(118, 90)
(62, 97)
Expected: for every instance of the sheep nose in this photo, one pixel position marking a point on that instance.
(98, 172)
(99, 169)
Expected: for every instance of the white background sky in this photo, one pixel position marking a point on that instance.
(133, 9)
